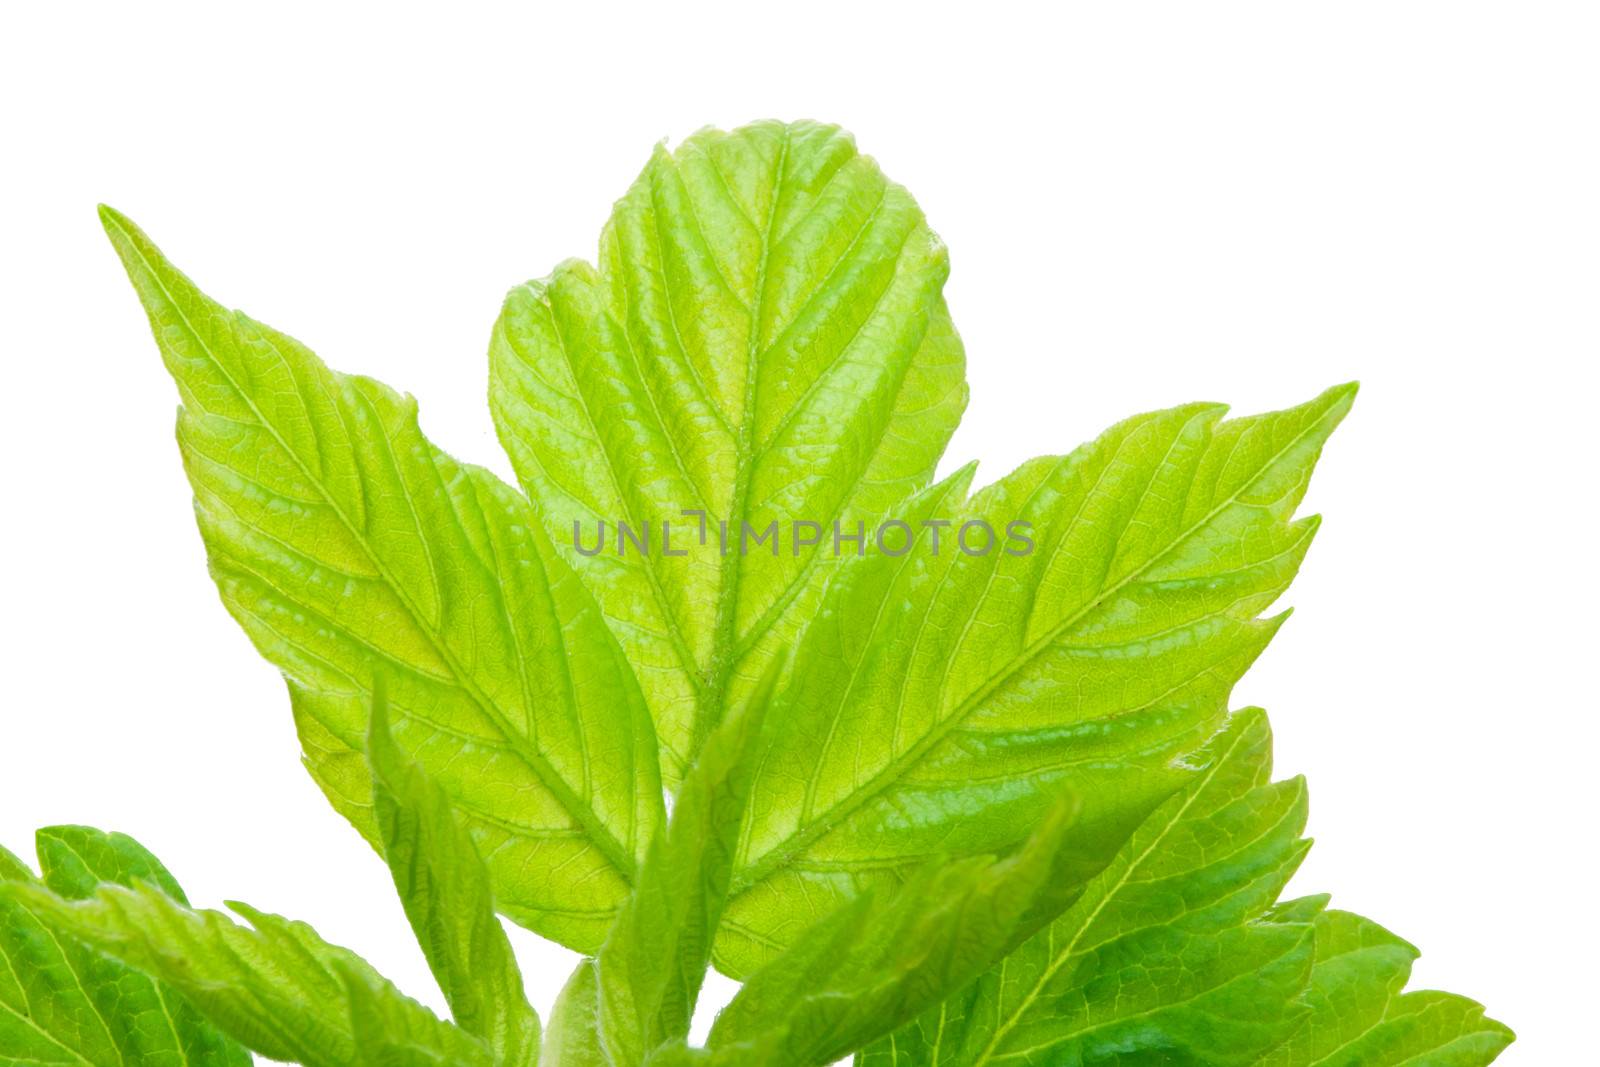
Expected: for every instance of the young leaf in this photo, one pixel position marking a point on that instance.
(75, 860)
(1358, 1016)
(345, 543)
(1170, 952)
(573, 1037)
(444, 887)
(388, 1032)
(652, 964)
(275, 987)
(882, 959)
(763, 341)
(944, 698)
(63, 1003)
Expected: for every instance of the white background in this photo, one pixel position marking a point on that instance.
(1146, 204)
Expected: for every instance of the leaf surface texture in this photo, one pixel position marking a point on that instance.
(345, 543)
(444, 887)
(883, 958)
(275, 986)
(763, 340)
(947, 697)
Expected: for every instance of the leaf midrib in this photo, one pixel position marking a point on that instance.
(725, 639)
(581, 813)
(746, 642)
(782, 855)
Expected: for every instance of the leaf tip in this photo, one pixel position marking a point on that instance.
(49, 833)
(254, 916)
(1302, 909)
(1299, 789)
(1341, 398)
(139, 254)
(119, 227)
(1251, 722)
(1273, 623)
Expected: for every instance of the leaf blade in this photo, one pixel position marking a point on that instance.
(274, 986)
(444, 887)
(877, 963)
(1360, 1016)
(60, 1002)
(344, 542)
(1171, 951)
(573, 1036)
(652, 965)
(964, 688)
(766, 322)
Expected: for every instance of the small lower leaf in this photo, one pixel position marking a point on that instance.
(61, 1002)
(275, 986)
(444, 887)
(882, 959)
(654, 960)
(1170, 952)
(573, 1037)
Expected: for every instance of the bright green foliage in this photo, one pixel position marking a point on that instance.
(390, 1032)
(1175, 954)
(63, 1003)
(444, 887)
(345, 543)
(1170, 950)
(870, 750)
(879, 961)
(1358, 1016)
(274, 986)
(651, 967)
(763, 340)
(947, 698)
(279, 988)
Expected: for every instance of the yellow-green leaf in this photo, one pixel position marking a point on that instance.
(763, 341)
(345, 544)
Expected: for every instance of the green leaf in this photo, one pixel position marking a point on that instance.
(1176, 954)
(654, 961)
(63, 1003)
(389, 1032)
(274, 986)
(1171, 953)
(942, 699)
(1360, 1018)
(345, 543)
(882, 959)
(680, 1054)
(573, 1037)
(763, 346)
(75, 860)
(444, 886)
(764, 340)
